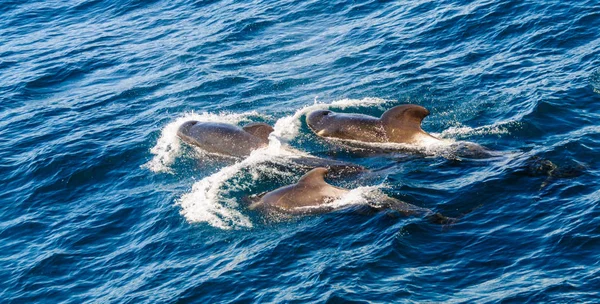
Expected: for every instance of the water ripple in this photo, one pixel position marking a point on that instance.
(93, 213)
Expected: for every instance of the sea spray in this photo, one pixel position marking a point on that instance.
(207, 202)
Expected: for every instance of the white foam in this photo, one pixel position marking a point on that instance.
(445, 145)
(168, 146)
(459, 131)
(360, 196)
(207, 201)
(427, 146)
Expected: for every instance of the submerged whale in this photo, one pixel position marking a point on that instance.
(312, 194)
(401, 124)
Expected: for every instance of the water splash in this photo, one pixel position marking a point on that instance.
(360, 196)
(208, 201)
(461, 131)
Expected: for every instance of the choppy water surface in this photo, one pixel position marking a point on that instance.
(102, 203)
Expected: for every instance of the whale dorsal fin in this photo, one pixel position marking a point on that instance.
(259, 129)
(314, 176)
(406, 117)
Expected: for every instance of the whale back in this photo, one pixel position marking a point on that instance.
(308, 195)
(403, 123)
(220, 138)
(259, 129)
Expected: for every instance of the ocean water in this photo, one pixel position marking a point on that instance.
(101, 203)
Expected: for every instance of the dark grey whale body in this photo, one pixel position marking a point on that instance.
(401, 124)
(312, 194)
(226, 139)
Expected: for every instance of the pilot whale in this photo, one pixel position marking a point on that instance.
(312, 194)
(226, 139)
(400, 124)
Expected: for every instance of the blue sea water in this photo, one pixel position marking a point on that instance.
(101, 203)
